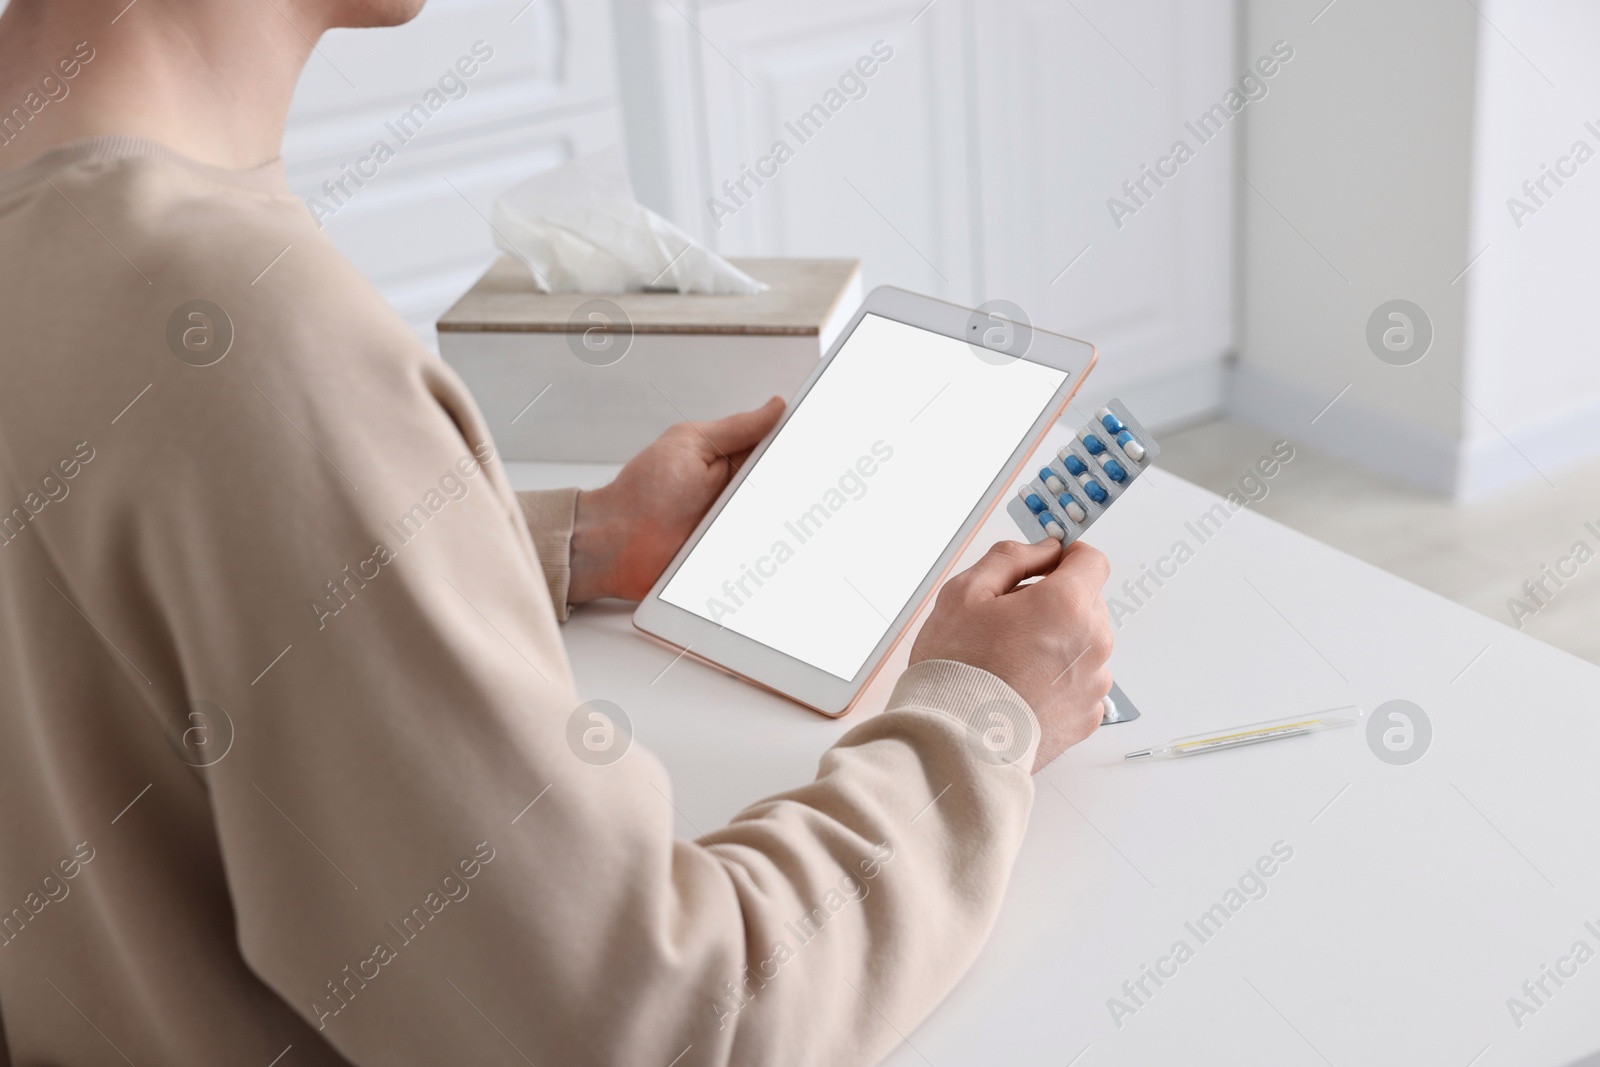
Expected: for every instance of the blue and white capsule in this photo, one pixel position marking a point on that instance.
(1093, 445)
(1052, 481)
(1033, 500)
(1075, 511)
(1110, 421)
(1131, 446)
(1080, 470)
(1052, 527)
(1114, 470)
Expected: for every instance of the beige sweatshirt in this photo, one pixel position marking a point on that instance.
(280, 674)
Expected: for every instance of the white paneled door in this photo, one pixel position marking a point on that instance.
(977, 161)
(878, 161)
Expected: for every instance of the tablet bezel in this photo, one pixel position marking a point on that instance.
(795, 679)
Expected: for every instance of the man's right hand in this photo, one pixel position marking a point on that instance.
(1048, 640)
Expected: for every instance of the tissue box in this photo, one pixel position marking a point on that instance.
(594, 377)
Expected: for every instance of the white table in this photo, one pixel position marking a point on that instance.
(1418, 899)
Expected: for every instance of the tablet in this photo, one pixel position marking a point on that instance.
(807, 570)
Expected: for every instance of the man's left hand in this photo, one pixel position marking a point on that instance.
(626, 533)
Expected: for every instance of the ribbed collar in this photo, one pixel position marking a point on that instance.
(267, 178)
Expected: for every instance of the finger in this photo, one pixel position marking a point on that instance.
(1080, 563)
(1008, 563)
(741, 432)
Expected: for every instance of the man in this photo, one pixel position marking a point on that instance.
(281, 676)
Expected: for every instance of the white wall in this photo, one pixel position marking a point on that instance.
(1392, 153)
(1355, 191)
(1531, 347)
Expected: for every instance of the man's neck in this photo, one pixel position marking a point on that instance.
(212, 81)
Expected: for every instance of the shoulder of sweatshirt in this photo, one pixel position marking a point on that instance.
(232, 376)
(112, 248)
(172, 315)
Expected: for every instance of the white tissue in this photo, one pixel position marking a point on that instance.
(579, 230)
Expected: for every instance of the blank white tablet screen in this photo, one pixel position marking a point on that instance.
(860, 493)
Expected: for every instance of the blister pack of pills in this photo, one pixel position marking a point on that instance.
(1082, 480)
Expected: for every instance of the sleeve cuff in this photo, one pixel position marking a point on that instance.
(974, 697)
(549, 515)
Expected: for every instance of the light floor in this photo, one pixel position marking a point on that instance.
(1478, 555)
